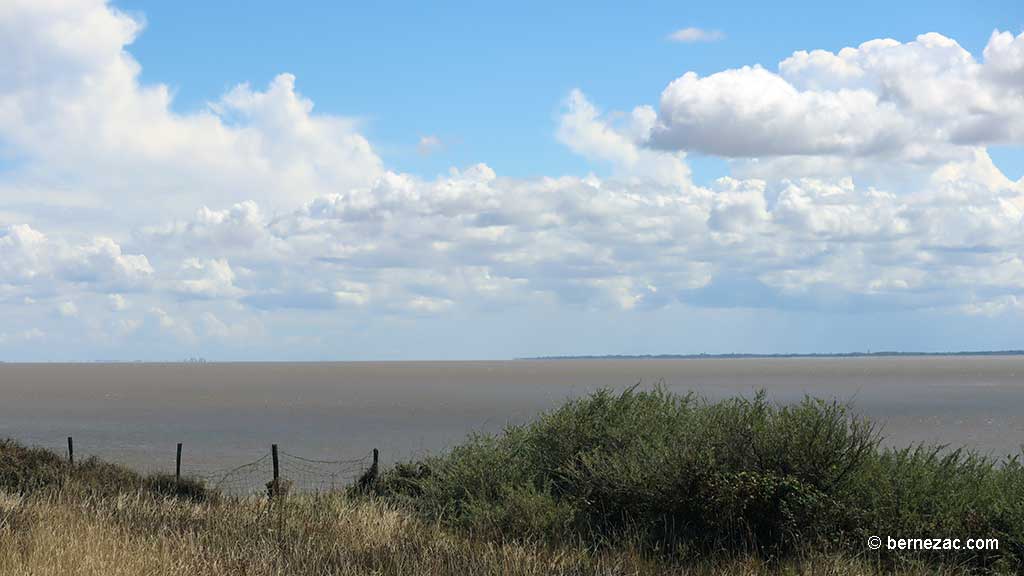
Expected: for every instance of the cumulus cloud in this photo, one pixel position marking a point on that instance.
(474, 238)
(925, 101)
(691, 35)
(28, 257)
(72, 106)
(584, 130)
(208, 278)
(25, 253)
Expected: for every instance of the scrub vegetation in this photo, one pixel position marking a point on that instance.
(638, 482)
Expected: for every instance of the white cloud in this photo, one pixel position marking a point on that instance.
(473, 238)
(177, 327)
(30, 335)
(29, 257)
(127, 326)
(352, 293)
(68, 309)
(1004, 59)
(429, 145)
(1001, 306)
(242, 331)
(73, 108)
(428, 305)
(102, 259)
(208, 278)
(690, 35)
(583, 130)
(926, 101)
(117, 302)
(24, 252)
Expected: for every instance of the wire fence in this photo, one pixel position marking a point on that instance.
(299, 473)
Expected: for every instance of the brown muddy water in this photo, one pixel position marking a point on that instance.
(227, 414)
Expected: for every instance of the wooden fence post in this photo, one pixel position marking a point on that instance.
(71, 451)
(273, 453)
(375, 454)
(177, 465)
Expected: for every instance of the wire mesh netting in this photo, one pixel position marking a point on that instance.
(309, 475)
(245, 479)
(298, 473)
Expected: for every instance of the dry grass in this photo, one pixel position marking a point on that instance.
(69, 533)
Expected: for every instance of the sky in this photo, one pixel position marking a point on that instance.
(322, 181)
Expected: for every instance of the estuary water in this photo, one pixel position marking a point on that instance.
(229, 413)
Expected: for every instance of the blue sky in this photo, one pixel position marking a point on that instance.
(491, 78)
(316, 180)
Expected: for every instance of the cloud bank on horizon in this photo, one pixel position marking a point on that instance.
(859, 180)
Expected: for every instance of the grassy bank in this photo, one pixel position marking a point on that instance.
(634, 483)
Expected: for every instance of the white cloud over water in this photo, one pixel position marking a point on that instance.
(860, 181)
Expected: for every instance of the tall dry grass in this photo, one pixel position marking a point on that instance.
(73, 532)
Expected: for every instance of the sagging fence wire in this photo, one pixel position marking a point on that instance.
(310, 475)
(299, 473)
(245, 479)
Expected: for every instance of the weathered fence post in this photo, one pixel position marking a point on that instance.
(71, 451)
(273, 454)
(369, 476)
(177, 465)
(276, 488)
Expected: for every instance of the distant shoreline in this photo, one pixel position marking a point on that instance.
(731, 356)
(793, 355)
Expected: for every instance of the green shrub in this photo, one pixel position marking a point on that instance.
(24, 470)
(168, 485)
(27, 470)
(682, 475)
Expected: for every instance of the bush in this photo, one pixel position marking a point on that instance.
(25, 470)
(168, 485)
(681, 475)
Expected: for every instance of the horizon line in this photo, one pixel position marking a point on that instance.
(668, 356)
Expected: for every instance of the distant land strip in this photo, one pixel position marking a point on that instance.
(793, 355)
